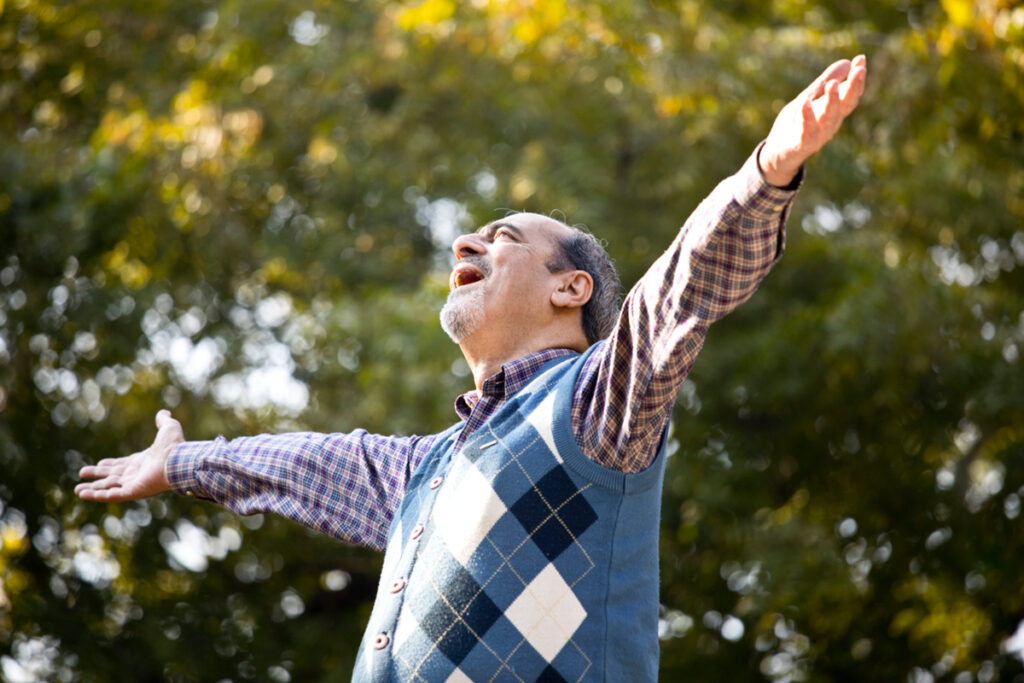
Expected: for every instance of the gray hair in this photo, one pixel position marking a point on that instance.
(582, 251)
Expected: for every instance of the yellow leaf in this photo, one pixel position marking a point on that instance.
(669, 105)
(12, 540)
(427, 13)
(959, 11)
(322, 151)
(527, 31)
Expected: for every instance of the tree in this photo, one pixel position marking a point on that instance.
(242, 213)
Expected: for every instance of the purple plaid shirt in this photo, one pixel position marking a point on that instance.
(349, 485)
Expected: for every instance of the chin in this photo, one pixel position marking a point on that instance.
(463, 313)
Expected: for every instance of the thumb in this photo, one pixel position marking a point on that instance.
(169, 431)
(163, 417)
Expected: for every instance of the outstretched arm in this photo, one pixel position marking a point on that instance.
(135, 476)
(344, 485)
(720, 256)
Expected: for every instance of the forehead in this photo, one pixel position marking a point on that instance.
(531, 227)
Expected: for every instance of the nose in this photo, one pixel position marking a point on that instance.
(470, 244)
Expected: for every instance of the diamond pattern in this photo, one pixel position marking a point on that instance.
(458, 619)
(554, 513)
(458, 677)
(465, 512)
(541, 418)
(550, 675)
(547, 613)
(491, 578)
(504, 576)
(405, 627)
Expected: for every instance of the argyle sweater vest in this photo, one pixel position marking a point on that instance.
(518, 558)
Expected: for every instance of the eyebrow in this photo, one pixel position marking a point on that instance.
(490, 229)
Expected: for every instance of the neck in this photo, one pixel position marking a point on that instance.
(485, 360)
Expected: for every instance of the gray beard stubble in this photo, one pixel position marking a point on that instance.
(463, 312)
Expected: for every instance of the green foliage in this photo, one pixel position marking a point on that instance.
(240, 211)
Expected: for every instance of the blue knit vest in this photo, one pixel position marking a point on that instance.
(518, 558)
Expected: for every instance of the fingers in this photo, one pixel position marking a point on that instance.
(849, 75)
(838, 98)
(104, 475)
(811, 111)
(92, 472)
(111, 495)
(825, 109)
(86, 489)
(104, 468)
(108, 475)
(836, 71)
(98, 485)
(832, 104)
(853, 87)
(162, 418)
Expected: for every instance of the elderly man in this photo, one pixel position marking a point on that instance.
(521, 543)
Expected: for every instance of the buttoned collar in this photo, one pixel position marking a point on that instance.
(507, 381)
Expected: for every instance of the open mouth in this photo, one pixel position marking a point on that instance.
(465, 274)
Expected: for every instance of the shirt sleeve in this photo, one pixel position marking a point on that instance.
(345, 485)
(625, 393)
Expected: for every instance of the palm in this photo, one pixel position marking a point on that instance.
(135, 476)
(812, 119)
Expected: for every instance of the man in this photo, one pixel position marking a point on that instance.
(521, 543)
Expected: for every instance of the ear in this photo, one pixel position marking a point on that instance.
(574, 289)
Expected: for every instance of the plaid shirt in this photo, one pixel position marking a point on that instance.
(349, 485)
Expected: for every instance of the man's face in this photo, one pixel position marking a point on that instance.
(501, 286)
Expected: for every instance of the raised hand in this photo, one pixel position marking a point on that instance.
(138, 475)
(812, 119)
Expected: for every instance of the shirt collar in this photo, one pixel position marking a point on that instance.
(507, 381)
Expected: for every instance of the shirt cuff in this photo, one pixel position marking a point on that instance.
(183, 465)
(761, 197)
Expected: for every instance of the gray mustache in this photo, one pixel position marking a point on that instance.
(482, 264)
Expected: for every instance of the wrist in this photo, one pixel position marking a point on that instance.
(775, 172)
(165, 481)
